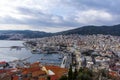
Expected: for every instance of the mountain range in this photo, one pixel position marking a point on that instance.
(85, 30)
(90, 30)
(22, 34)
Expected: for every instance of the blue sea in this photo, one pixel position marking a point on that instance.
(8, 54)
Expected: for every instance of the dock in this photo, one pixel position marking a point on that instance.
(14, 47)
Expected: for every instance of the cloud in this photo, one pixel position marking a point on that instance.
(57, 15)
(14, 26)
(109, 5)
(93, 16)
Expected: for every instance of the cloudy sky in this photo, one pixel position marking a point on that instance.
(57, 15)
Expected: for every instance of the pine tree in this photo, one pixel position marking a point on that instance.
(75, 74)
(63, 78)
(70, 73)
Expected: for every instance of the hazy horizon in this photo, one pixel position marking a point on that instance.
(57, 15)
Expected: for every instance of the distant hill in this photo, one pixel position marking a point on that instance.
(21, 34)
(86, 30)
(90, 30)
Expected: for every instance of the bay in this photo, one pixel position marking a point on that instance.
(8, 54)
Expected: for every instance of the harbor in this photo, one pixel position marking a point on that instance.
(10, 52)
(23, 65)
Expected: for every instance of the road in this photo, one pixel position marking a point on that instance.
(67, 60)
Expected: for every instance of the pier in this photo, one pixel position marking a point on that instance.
(14, 47)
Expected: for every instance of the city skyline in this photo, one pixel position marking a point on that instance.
(57, 15)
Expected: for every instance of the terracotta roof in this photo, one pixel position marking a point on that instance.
(3, 62)
(42, 78)
(6, 70)
(57, 70)
(54, 77)
(26, 79)
(38, 73)
(15, 78)
(30, 70)
(112, 73)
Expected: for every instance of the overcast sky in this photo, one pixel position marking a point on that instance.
(57, 15)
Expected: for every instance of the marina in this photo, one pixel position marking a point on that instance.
(21, 64)
(10, 52)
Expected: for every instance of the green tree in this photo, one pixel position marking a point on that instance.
(70, 73)
(64, 78)
(83, 76)
(48, 78)
(75, 74)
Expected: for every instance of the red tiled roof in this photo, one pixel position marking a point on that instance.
(43, 78)
(3, 62)
(112, 73)
(30, 70)
(38, 73)
(54, 77)
(57, 70)
(15, 78)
